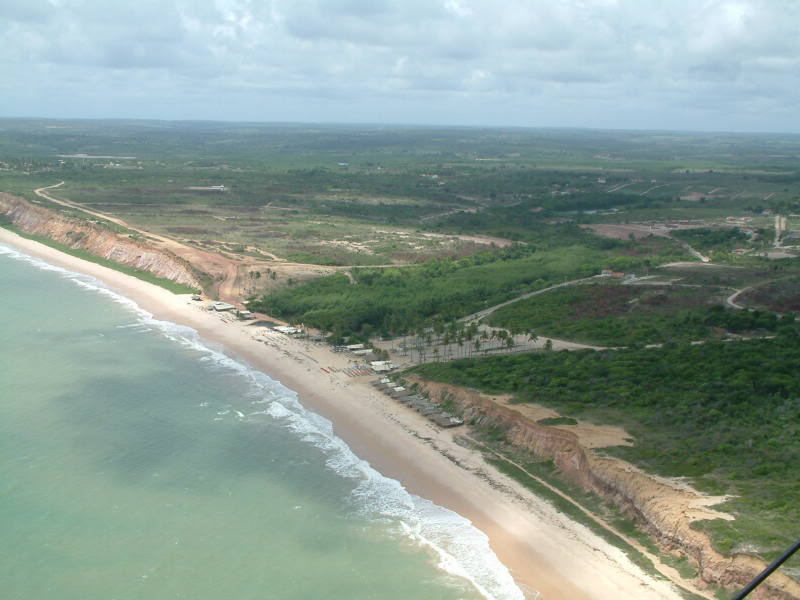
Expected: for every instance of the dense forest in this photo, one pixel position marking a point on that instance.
(725, 414)
(610, 314)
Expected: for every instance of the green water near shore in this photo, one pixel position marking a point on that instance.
(137, 462)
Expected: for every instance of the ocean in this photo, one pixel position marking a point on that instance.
(138, 461)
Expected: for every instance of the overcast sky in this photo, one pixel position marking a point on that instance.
(729, 65)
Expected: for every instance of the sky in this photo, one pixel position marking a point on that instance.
(709, 65)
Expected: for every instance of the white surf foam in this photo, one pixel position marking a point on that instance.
(460, 548)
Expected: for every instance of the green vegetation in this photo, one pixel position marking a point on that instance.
(712, 239)
(376, 193)
(394, 301)
(610, 314)
(550, 421)
(613, 314)
(438, 223)
(782, 296)
(724, 414)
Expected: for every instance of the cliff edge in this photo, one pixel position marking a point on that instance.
(96, 239)
(662, 507)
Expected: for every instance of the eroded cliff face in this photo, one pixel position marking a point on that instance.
(663, 508)
(96, 240)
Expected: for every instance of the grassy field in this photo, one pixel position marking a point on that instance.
(336, 195)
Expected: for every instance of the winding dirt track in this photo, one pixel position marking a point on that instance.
(229, 275)
(478, 316)
(218, 267)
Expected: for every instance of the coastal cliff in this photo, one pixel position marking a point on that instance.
(662, 508)
(96, 239)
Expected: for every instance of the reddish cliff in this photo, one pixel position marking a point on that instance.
(663, 508)
(95, 239)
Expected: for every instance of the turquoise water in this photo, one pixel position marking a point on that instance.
(138, 462)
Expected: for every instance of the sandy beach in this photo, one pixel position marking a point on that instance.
(547, 553)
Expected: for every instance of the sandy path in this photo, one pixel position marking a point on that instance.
(544, 550)
(216, 265)
(228, 272)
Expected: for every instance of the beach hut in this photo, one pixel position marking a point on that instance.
(222, 306)
(420, 406)
(288, 330)
(381, 366)
(446, 421)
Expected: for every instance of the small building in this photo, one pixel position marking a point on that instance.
(245, 315)
(288, 330)
(445, 420)
(222, 306)
(381, 366)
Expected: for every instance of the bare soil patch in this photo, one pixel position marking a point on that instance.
(589, 435)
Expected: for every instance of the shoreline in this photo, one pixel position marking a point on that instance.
(544, 551)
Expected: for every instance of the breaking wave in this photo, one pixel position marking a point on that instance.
(460, 548)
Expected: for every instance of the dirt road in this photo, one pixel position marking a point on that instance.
(478, 316)
(229, 276)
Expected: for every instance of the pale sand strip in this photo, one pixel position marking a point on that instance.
(544, 550)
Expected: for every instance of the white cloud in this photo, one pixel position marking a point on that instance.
(597, 63)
